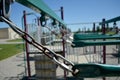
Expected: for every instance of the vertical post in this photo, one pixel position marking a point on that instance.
(38, 22)
(115, 27)
(104, 47)
(62, 13)
(117, 46)
(26, 44)
(63, 41)
(107, 26)
(117, 30)
(39, 30)
(94, 40)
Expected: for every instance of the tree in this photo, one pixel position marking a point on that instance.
(98, 29)
(78, 31)
(88, 30)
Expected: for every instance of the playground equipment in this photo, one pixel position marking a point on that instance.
(78, 70)
(94, 43)
(78, 39)
(93, 54)
(94, 36)
(111, 20)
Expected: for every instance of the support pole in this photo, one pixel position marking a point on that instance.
(94, 40)
(115, 27)
(63, 41)
(39, 29)
(26, 44)
(104, 47)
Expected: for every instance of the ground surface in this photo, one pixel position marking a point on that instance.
(13, 68)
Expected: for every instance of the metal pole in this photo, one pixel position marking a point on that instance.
(62, 13)
(94, 47)
(26, 44)
(104, 47)
(94, 40)
(115, 27)
(39, 30)
(63, 41)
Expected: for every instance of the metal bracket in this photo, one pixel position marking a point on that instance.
(5, 8)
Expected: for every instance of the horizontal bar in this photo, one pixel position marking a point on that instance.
(95, 43)
(39, 6)
(111, 20)
(94, 36)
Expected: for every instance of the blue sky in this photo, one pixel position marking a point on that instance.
(75, 11)
(82, 11)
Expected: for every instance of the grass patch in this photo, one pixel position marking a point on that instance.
(110, 33)
(15, 40)
(8, 50)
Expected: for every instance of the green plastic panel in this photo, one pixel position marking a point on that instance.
(40, 6)
(92, 36)
(94, 43)
(96, 70)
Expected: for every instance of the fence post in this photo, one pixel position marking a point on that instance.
(26, 44)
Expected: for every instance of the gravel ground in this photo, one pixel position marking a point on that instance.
(12, 68)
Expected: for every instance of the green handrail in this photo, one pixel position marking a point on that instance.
(111, 20)
(94, 43)
(96, 70)
(93, 36)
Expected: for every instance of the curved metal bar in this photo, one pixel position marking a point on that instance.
(5, 7)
